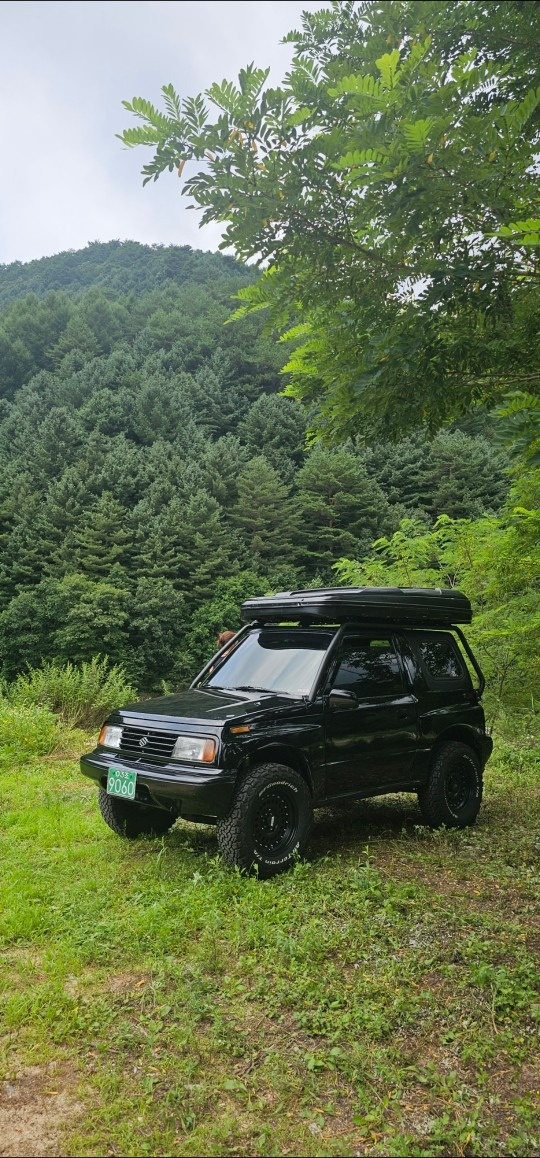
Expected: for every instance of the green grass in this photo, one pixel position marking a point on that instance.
(380, 999)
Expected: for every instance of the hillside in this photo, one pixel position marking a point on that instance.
(121, 266)
(151, 475)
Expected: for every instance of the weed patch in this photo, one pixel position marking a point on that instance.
(81, 695)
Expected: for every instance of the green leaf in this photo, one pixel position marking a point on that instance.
(360, 157)
(172, 101)
(142, 135)
(388, 66)
(357, 85)
(517, 114)
(416, 134)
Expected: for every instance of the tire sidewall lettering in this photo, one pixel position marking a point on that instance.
(277, 784)
(474, 793)
(262, 858)
(266, 860)
(264, 787)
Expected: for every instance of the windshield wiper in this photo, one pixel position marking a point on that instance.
(249, 688)
(267, 691)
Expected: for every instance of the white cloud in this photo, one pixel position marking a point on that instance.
(65, 68)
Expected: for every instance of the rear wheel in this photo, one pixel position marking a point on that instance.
(453, 793)
(270, 822)
(132, 820)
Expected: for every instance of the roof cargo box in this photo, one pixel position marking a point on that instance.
(436, 607)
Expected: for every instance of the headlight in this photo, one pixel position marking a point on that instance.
(194, 748)
(110, 736)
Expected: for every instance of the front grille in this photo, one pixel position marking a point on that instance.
(158, 744)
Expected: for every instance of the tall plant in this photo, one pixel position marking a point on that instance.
(388, 189)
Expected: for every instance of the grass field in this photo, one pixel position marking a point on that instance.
(380, 999)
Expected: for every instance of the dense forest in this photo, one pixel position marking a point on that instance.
(152, 475)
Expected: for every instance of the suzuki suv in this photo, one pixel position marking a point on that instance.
(323, 697)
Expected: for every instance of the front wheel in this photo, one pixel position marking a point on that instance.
(133, 820)
(270, 822)
(453, 793)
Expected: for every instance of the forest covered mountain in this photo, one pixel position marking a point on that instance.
(151, 475)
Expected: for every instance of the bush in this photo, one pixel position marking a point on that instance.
(26, 731)
(82, 696)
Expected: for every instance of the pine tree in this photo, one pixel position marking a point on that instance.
(468, 476)
(56, 444)
(456, 474)
(103, 540)
(186, 544)
(342, 509)
(221, 465)
(16, 364)
(401, 469)
(77, 337)
(91, 619)
(161, 410)
(276, 426)
(157, 625)
(27, 627)
(265, 513)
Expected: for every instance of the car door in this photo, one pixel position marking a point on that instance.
(372, 743)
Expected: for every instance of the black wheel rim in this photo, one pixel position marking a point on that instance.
(460, 786)
(274, 823)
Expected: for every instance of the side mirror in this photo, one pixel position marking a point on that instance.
(341, 701)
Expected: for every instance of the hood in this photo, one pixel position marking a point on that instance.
(208, 706)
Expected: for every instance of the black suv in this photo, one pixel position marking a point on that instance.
(324, 696)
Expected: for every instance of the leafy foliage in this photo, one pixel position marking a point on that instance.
(388, 189)
(81, 696)
(496, 561)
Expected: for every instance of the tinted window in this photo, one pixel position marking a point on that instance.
(369, 667)
(275, 660)
(441, 659)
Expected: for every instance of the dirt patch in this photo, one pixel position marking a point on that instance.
(91, 982)
(35, 1106)
(129, 983)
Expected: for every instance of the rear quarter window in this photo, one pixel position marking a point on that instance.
(441, 659)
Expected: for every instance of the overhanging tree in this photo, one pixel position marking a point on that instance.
(388, 189)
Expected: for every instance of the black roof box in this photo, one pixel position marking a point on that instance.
(435, 607)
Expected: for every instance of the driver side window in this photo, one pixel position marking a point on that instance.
(368, 667)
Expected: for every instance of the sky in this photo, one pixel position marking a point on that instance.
(66, 66)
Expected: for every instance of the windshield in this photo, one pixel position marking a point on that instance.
(274, 660)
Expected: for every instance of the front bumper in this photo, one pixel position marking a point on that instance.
(186, 790)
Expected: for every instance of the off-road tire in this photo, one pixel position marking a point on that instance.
(133, 820)
(270, 822)
(453, 793)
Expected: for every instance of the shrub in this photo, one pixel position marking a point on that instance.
(82, 696)
(26, 731)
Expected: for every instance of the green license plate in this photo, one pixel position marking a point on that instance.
(120, 782)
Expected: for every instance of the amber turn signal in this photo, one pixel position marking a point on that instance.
(208, 752)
